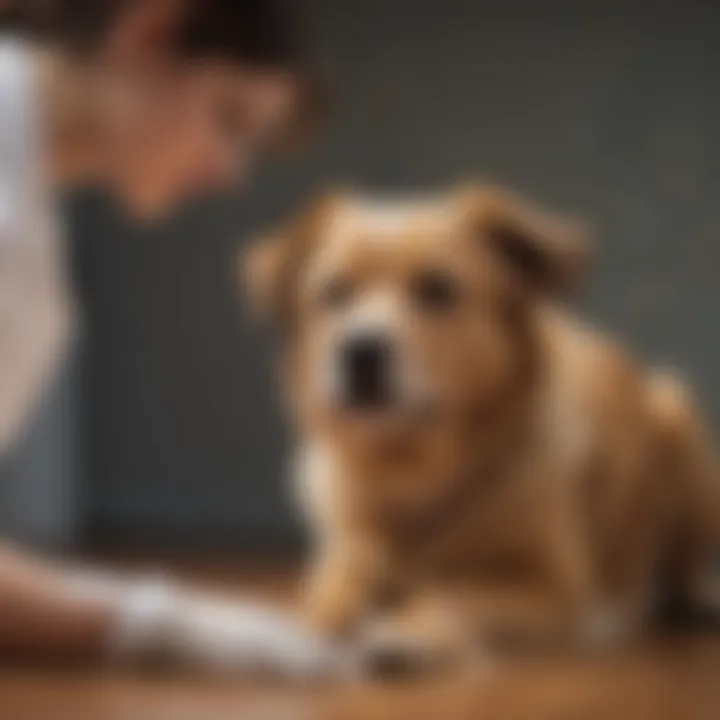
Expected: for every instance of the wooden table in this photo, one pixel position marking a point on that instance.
(675, 678)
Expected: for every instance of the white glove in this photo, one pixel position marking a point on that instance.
(155, 618)
(226, 637)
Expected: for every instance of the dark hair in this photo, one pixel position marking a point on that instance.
(262, 32)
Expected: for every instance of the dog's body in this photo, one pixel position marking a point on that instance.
(519, 477)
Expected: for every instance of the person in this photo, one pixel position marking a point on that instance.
(159, 100)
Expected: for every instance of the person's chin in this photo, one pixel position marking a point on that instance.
(150, 208)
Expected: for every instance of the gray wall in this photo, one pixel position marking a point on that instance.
(610, 109)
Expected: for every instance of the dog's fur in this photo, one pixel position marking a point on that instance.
(530, 483)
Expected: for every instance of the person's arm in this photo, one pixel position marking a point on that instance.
(49, 613)
(41, 615)
(36, 307)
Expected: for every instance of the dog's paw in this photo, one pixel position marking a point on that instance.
(392, 650)
(396, 659)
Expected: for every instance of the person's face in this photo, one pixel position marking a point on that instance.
(189, 131)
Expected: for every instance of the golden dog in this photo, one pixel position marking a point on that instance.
(478, 467)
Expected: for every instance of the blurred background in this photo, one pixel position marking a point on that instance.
(166, 431)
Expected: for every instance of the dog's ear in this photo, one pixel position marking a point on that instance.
(549, 253)
(271, 265)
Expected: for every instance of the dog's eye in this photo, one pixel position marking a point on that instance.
(435, 291)
(335, 294)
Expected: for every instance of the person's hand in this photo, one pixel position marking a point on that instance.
(239, 637)
(220, 636)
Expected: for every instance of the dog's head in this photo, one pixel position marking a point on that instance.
(398, 313)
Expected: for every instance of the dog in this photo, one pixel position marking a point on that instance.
(479, 468)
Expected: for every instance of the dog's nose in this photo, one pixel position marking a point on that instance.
(366, 362)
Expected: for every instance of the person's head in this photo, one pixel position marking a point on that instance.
(184, 93)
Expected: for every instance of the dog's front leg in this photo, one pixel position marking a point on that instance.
(341, 585)
(347, 558)
(457, 624)
(521, 615)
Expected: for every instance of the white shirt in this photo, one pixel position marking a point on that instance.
(35, 307)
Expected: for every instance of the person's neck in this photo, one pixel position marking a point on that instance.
(74, 137)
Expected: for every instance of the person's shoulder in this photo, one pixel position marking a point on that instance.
(17, 118)
(16, 83)
(15, 64)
